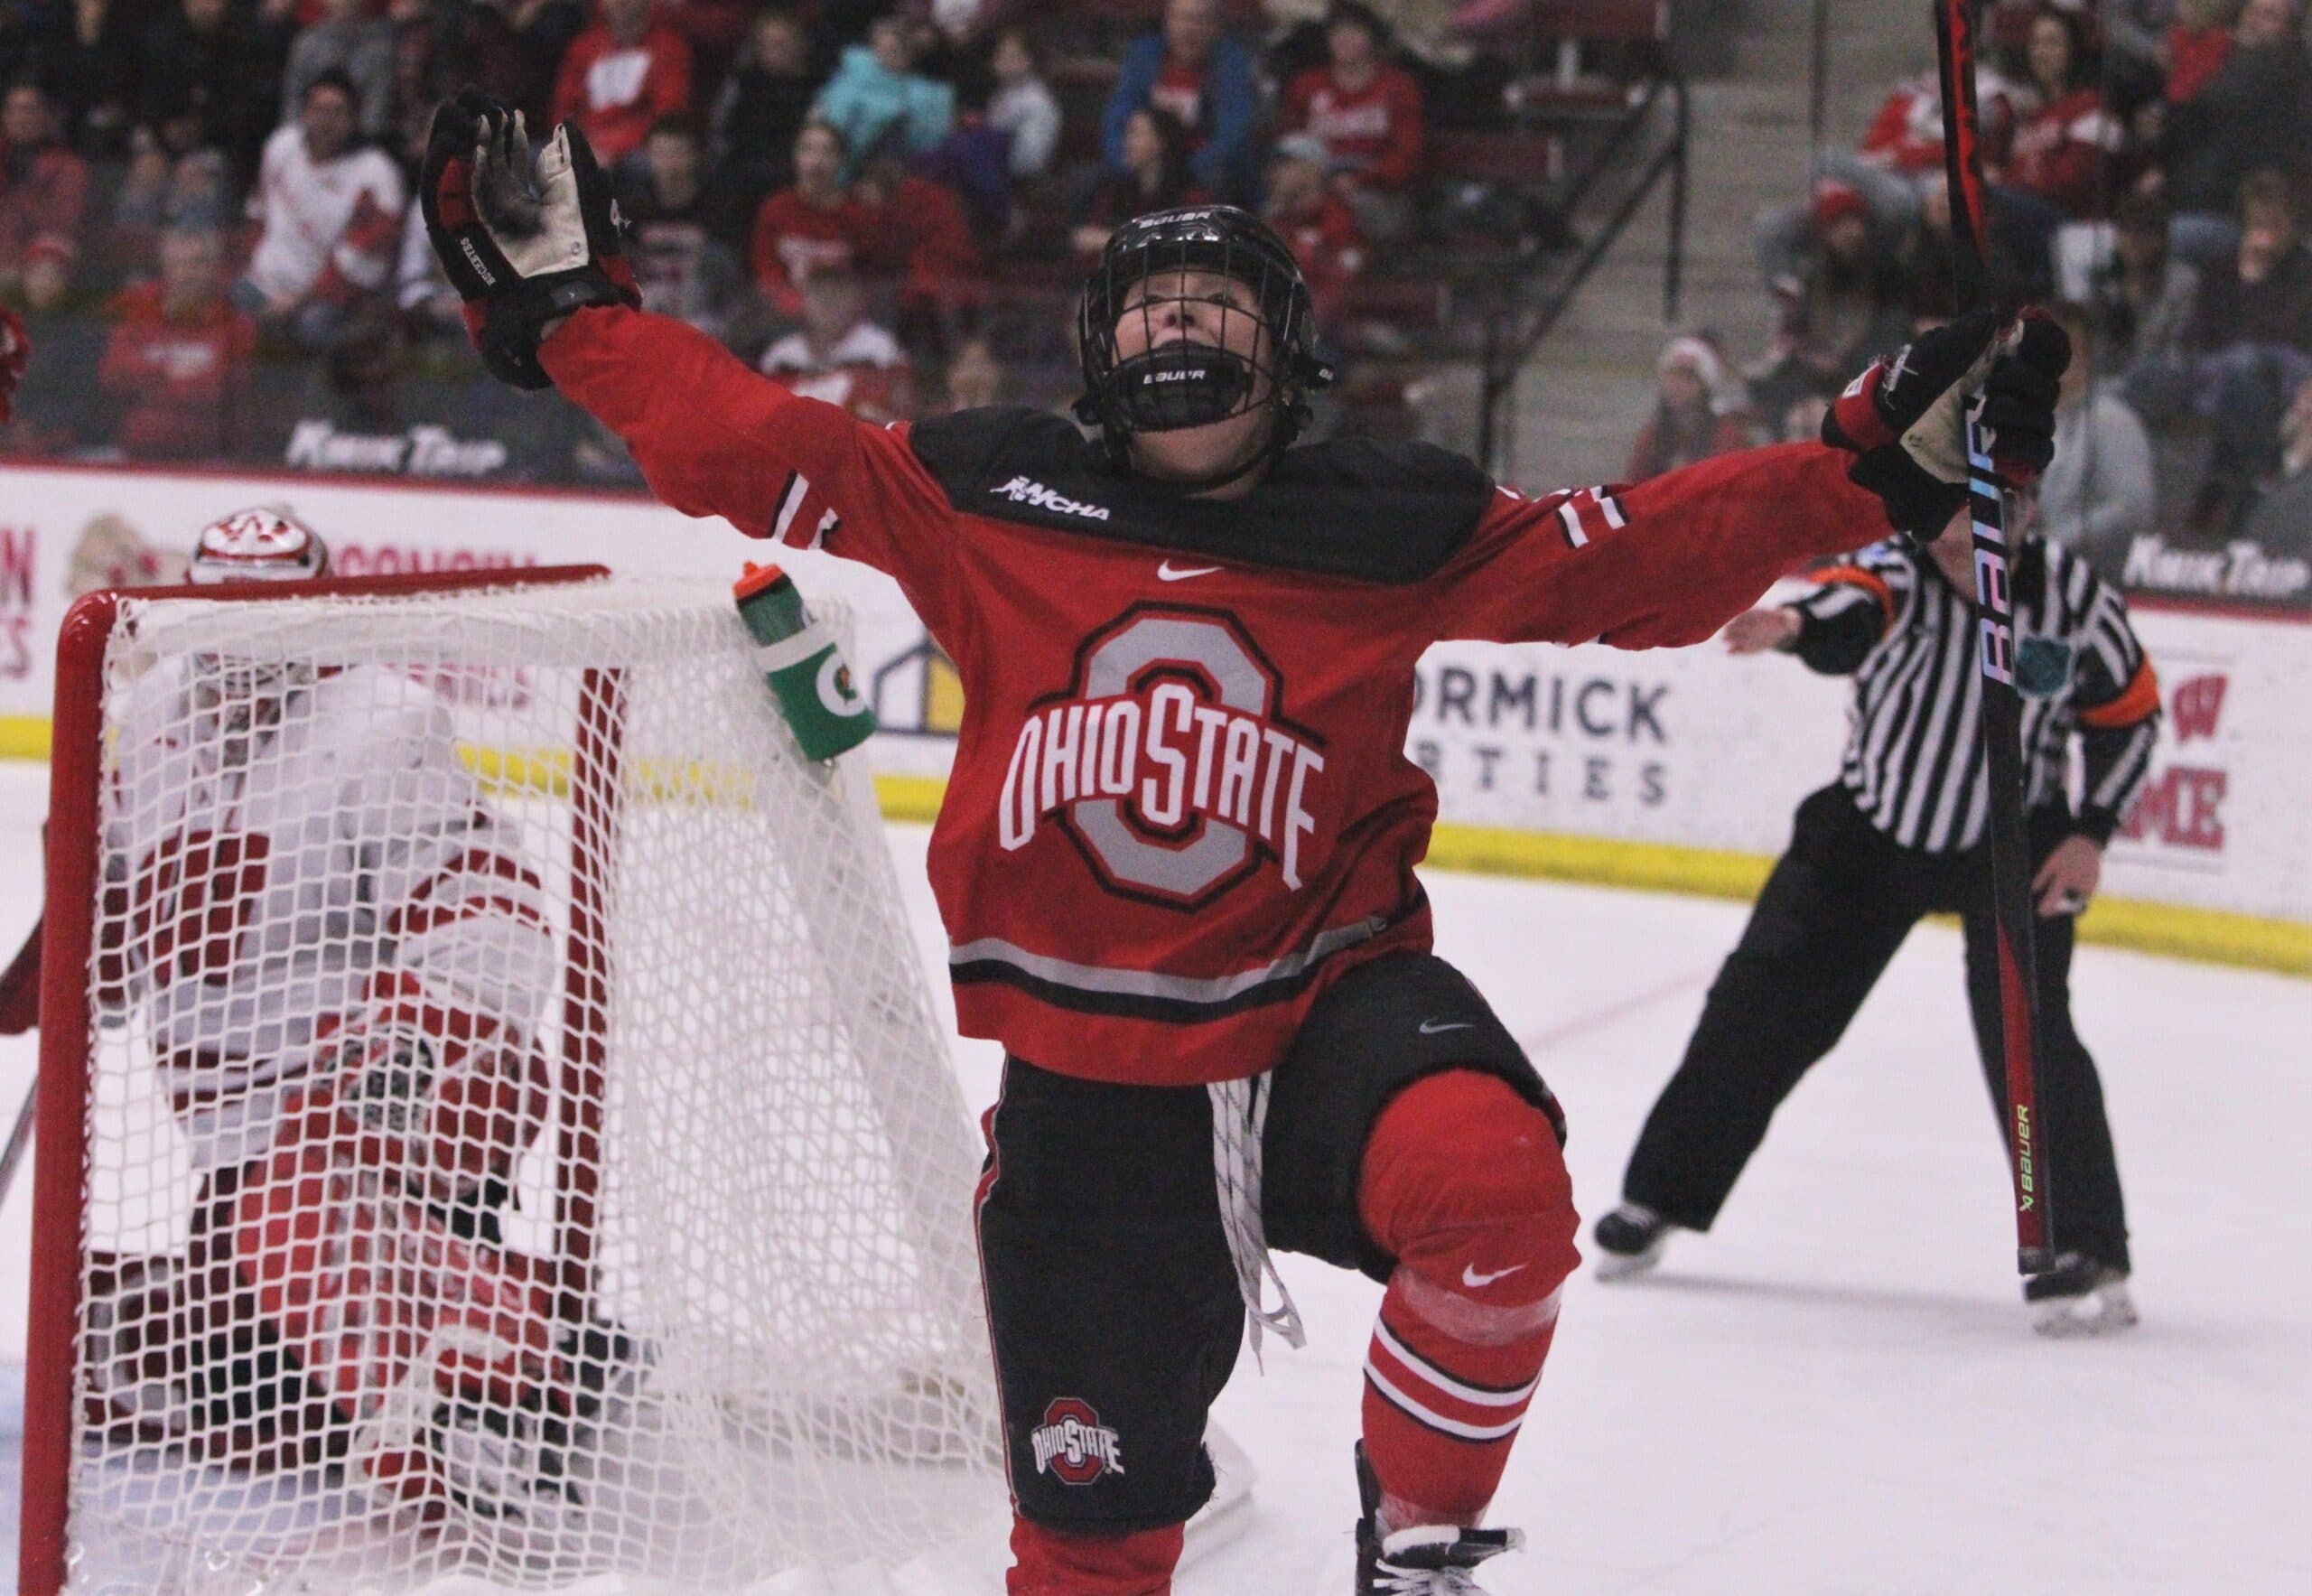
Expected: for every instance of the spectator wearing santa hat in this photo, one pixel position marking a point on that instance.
(1700, 410)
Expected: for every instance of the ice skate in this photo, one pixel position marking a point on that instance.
(1629, 1241)
(506, 1468)
(1425, 1560)
(2079, 1297)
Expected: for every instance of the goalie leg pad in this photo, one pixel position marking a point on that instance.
(360, 1280)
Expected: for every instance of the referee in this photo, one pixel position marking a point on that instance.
(1899, 835)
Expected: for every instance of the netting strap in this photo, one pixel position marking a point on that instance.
(1239, 1115)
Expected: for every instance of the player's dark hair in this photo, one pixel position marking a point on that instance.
(1169, 387)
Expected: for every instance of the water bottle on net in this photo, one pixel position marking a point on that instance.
(805, 667)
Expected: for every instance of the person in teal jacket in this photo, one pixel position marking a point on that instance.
(874, 91)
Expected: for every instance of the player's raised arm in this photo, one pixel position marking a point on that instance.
(1669, 561)
(552, 301)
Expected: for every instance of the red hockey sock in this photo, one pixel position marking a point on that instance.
(1048, 1561)
(1463, 1182)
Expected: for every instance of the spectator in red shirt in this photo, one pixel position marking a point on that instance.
(1899, 159)
(2056, 168)
(1312, 217)
(812, 225)
(923, 239)
(2060, 148)
(1368, 115)
(2196, 48)
(44, 186)
(178, 360)
(620, 76)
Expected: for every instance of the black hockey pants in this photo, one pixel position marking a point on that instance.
(1836, 907)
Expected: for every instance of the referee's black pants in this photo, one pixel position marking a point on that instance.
(1836, 907)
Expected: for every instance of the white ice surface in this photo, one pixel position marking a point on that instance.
(1837, 1391)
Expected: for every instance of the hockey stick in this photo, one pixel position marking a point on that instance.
(20, 987)
(20, 1140)
(2002, 707)
(20, 1012)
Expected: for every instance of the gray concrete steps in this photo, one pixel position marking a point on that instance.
(1590, 384)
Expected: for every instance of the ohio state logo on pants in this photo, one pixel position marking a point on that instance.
(1073, 1445)
(1168, 760)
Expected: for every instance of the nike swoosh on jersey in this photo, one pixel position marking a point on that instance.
(1472, 1279)
(1165, 573)
(1431, 1027)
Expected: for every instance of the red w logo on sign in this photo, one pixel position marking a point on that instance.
(2196, 705)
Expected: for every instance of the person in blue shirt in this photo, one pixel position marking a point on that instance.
(1190, 68)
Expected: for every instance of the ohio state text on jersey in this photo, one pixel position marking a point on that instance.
(1180, 801)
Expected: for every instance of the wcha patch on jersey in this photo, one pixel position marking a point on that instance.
(1072, 1446)
(1025, 490)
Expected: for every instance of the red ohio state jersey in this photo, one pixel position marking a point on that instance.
(1180, 803)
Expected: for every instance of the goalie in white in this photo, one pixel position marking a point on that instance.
(340, 957)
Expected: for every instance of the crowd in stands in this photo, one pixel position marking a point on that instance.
(206, 216)
(2149, 167)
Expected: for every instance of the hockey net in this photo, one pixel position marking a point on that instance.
(736, 1182)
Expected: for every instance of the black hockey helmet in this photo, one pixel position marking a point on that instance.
(1187, 385)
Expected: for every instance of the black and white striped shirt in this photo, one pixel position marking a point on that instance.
(1914, 753)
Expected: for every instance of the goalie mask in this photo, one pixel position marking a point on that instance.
(1232, 361)
(262, 545)
(259, 545)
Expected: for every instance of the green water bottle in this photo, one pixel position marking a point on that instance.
(805, 668)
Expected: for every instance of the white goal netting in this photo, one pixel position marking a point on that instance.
(521, 1151)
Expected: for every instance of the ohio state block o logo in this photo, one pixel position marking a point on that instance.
(1073, 1445)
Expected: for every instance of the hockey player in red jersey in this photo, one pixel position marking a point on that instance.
(1176, 860)
(338, 959)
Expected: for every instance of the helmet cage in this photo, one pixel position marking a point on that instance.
(1179, 385)
(265, 543)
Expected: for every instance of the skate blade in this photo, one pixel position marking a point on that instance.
(1623, 1265)
(2102, 1312)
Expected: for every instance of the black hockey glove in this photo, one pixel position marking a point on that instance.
(520, 248)
(1906, 417)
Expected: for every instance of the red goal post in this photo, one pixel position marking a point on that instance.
(809, 1355)
(74, 871)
